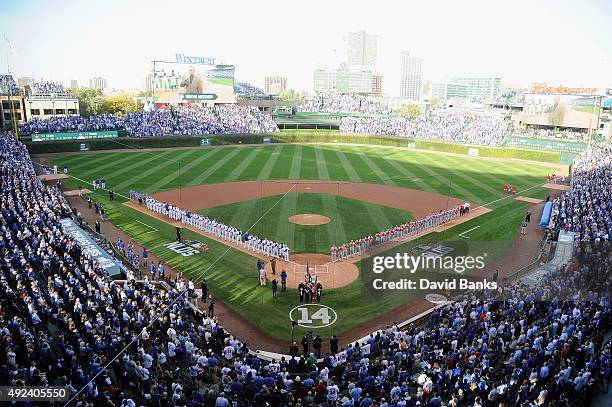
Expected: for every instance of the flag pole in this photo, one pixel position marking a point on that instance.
(8, 68)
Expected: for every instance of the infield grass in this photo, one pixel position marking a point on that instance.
(233, 278)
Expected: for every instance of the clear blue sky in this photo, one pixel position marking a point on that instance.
(559, 42)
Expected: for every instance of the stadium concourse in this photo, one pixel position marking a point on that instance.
(63, 321)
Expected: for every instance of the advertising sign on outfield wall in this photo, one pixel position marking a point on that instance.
(84, 135)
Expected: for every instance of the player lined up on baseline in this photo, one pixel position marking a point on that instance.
(395, 233)
(228, 233)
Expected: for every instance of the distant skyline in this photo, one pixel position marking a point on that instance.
(558, 42)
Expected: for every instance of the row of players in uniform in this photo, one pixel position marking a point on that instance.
(358, 246)
(228, 233)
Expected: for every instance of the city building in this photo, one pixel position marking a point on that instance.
(377, 85)
(74, 84)
(343, 79)
(97, 82)
(11, 103)
(362, 49)
(147, 84)
(11, 110)
(44, 107)
(275, 85)
(426, 91)
(479, 87)
(448, 90)
(411, 77)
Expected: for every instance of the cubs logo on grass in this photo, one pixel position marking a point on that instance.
(313, 316)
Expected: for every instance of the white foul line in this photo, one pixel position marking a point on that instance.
(142, 223)
(461, 234)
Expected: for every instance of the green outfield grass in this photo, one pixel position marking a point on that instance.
(233, 277)
(350, 219)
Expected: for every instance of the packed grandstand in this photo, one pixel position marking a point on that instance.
(63, 321)
(188, 120)
(437, 124)
(359, 115)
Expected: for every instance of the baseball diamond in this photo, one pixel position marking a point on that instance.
(253, 204)
(361, 189)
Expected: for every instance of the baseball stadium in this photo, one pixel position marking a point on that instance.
(271, 191)
(273, 236)
(204, 241)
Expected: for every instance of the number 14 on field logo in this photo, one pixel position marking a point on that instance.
(313, 315)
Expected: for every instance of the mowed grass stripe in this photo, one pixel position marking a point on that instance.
(267, 168)
(88, 164)
(519, 174)
(457, 178)
(230, 165)
(130, 179)
(413, 163)
(212, 155)
(138, 172)
(246, 212)
(296, 163)
(350, 171)
(179, 174)
(308, 168)
(411, 180)
(332, 163)
(337, 232)
(229, 153)
(383, 176)
(255, 166)
(321, 164)
(87, 168)
(283, 163)
(450, 186)
(284, 229)
(235, 174)
(458, 169)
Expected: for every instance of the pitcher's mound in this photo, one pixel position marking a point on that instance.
(309, 219)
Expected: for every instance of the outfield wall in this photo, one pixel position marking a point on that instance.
(42, 147)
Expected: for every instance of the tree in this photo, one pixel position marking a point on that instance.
(89, 100)
(119, 104)
(291, 95)
(434, 102)
(411, 109)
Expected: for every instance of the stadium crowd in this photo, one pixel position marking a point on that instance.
(48, 88)
(62, 320)
(357, 247)
(188, 120)
(552, 133)
(228, 233)
(8, 86)
(247, 91)
(586, 209)
(342, 103)
(438, 124)
(96, 122)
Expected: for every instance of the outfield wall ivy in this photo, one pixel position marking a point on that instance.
(289, 137)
